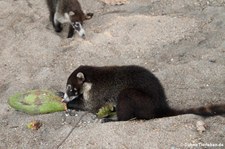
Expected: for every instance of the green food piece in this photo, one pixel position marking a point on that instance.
(106, 111)
(34, 125)
(36, 102)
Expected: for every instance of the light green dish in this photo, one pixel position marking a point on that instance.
(36, 102)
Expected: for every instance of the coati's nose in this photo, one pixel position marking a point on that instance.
(81, 32)
(83, 36)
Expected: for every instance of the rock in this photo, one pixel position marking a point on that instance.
(201, 126)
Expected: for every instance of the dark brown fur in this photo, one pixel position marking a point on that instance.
(135, 91)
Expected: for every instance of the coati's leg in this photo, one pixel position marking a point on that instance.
(124, 108)
(76, 104)
(51, 9)
(132, 103)
(71, 32)
(56, 24)
(51, 16)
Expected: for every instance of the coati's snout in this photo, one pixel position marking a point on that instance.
(74, 88)
(70, 94)
(77, 19)
(79, 29)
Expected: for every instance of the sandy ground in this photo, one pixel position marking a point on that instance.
(181, 41)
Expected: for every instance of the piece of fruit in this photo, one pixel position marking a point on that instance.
(106, 111)
(36, 102)
(34, 125)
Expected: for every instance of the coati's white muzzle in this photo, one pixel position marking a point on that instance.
(66, 98)
(79, 29)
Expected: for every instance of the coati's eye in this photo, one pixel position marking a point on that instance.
(77, 26)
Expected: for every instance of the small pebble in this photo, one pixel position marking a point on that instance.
(201, 126)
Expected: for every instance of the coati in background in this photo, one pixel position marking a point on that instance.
(135, 91)
(67, 11)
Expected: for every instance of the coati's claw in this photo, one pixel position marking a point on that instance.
(70, 112)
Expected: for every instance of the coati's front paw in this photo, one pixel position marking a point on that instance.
(70, 112)
(58, 29)
(70, 35)
(105, 120)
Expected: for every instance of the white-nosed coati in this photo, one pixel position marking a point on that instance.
(135, 91)
(67, 11)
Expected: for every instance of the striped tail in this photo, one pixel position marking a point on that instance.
(206, 111)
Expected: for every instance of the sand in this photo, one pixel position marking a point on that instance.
(181, 41)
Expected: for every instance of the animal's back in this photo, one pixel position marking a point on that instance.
(68, 5)
(123, 77)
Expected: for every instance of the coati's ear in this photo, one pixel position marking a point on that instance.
(71, 13)
(80, 77)
(88, 16)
